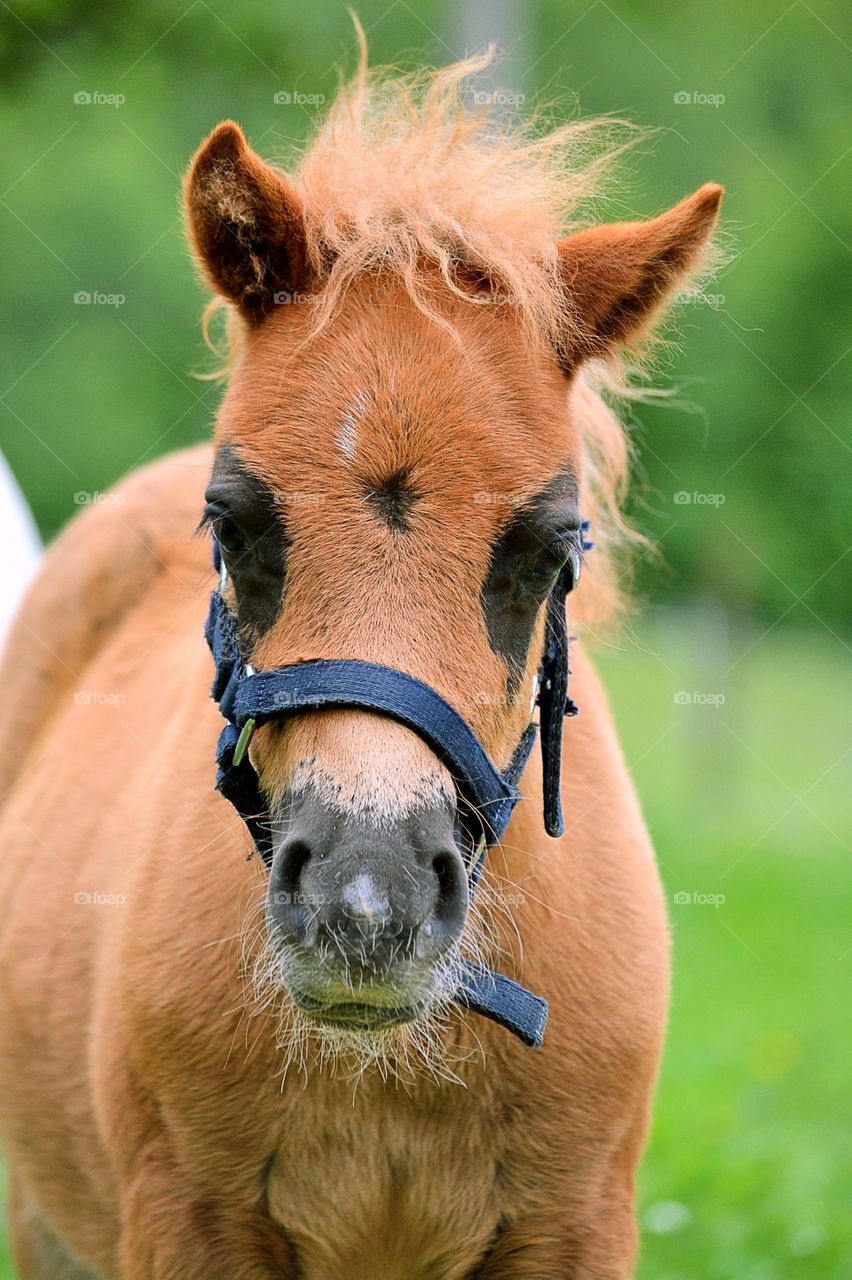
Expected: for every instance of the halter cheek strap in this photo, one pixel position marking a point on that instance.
(248, 699)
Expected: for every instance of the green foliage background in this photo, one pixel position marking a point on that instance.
(749, 1166)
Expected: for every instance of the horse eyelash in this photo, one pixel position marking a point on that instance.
(209, 516)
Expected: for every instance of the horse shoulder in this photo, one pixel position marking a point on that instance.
(94, 574)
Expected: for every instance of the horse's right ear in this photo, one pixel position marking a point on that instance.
(619, 276)
(245, 223)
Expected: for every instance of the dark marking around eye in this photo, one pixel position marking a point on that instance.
(531, 544)
(392, 500)
(250, 519)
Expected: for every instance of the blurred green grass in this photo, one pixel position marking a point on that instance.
(750, 1164)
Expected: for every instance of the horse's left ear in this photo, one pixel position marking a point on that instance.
(245, 223)
(619, 276)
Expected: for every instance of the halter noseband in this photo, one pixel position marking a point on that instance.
(248, 698)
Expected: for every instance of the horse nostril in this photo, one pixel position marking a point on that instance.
(443, 866)
(287, 899)
(448, 915)
(295, 855)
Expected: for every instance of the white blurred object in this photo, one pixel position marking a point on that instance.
(21, 547)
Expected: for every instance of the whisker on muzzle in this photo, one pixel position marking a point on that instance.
(429, 1046)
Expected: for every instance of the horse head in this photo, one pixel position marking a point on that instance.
(398, 479)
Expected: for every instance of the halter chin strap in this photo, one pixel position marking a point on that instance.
(248, 699)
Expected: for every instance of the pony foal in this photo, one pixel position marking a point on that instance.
(215, 1065)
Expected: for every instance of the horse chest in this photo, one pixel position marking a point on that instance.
(368, 1191)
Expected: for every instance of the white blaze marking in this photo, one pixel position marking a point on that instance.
(347, 436)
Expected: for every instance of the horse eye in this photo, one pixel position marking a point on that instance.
(230, 538)
(540, 572)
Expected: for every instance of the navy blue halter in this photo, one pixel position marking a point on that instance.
(248, 699)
